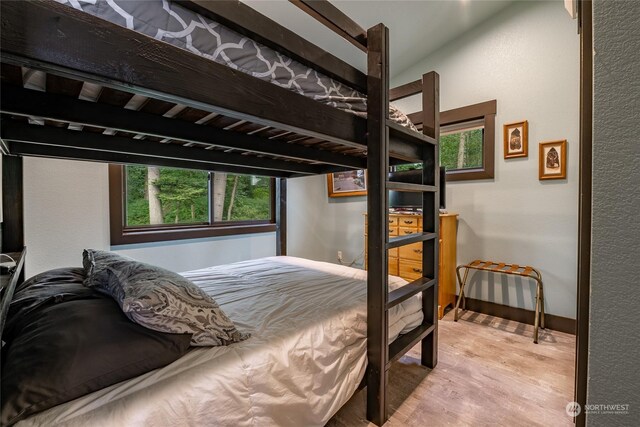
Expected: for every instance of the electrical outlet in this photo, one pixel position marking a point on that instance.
(340, 256)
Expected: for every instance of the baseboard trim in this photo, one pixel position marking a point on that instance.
(557, 323)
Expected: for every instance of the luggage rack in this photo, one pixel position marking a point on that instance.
(512, 269)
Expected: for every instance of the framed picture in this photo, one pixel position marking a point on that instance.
(553, 160)
(516, 139)
(349, 183)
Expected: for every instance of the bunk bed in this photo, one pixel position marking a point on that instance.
(159, 104)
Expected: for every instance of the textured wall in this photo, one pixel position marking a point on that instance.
(614, 336)
(526, 57)
(67, 210)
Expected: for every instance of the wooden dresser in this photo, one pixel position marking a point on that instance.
(406, 261)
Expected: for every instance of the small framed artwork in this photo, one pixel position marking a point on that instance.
(349, 183)
(516, 139)
(553, 160)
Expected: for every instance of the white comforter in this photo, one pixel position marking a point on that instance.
(304, 360)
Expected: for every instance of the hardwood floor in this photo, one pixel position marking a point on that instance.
(489, 373)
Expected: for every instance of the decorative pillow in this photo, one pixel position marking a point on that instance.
(160, 299)
(73, 348)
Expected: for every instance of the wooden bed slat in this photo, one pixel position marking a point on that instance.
(73, 139)
(114, 97)
(11, 74)
(156, 106)
(32, 103)
(38, 150)
(63, 86)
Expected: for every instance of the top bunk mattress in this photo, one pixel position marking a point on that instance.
(305, 358)
(181, 27)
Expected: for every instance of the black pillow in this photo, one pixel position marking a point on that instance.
(44, 289)
(70, 349)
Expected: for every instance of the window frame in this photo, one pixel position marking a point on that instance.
(123, 235)
(485, 111)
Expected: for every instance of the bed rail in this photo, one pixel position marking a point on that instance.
(334, 19)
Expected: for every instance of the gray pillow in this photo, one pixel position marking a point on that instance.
(159, 299)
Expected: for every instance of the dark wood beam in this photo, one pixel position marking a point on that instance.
(406, 90)
(430, 214)
(70, 153)
(92, 49)
(281, 216)
(416, 119)
(469, 112)
(31, 103)
(47, 135)
(377, 223)
(12, 204)
(247, 21)
(334, 19)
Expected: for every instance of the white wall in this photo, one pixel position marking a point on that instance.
(318, 227)
(66, 206)
(526, 57)
(613, 318)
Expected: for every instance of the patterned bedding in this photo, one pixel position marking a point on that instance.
(188, 30)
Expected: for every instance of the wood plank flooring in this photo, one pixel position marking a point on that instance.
(489, 373)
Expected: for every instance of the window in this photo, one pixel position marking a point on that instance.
(461, 145)
(467, 141)
(152, 203)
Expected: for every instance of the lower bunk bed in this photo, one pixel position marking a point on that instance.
(306, 356)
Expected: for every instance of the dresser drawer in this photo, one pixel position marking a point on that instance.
(393, 221)
(410, 270)
(403, 231)
(393, 230)
(411, 252)
(409, 221)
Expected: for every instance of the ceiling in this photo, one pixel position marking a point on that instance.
(416, 28)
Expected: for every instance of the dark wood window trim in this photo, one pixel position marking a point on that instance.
(121, 235)
(485, 111)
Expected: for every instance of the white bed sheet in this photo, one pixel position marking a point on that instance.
(304, 360)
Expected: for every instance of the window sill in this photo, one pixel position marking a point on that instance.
(158, 234)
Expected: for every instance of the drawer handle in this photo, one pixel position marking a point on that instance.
(408, 221)
(390, 221)
(408, 232)
(418, 251)
(417, 270)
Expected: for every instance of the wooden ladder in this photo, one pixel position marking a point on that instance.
(383, 134)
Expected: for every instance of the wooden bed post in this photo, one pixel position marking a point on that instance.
(430, 213)
(12, 204)
(281, 216)
(378, 226)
